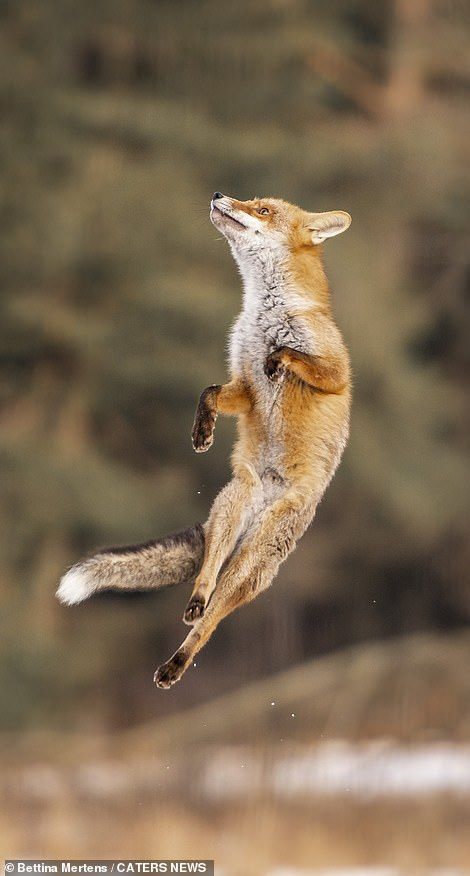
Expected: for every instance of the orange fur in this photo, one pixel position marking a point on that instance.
(289, 442)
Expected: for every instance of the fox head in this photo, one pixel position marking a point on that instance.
(266, 228)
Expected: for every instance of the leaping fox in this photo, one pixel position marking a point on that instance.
(290, 388)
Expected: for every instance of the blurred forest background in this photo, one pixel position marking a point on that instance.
(119, 119)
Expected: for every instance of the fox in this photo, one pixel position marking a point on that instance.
(290, 390)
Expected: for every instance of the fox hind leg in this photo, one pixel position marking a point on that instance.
(233, 509)
(250, 571)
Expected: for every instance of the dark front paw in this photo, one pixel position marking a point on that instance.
(194, 610)
(273, 367)
(202, 435)
(171, 671)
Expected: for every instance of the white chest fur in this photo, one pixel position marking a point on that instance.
(265, 324)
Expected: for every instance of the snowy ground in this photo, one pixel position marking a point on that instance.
(362, 770)
(382, 801)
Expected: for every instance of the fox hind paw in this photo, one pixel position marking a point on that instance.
(194, 610)
(171, 671)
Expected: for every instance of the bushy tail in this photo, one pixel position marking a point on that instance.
(175, 559)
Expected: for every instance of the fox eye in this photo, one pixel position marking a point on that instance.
(263, 211)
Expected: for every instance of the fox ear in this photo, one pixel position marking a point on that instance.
(323, 225)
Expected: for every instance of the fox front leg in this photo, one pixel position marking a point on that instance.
(231, 398)
(325, 373)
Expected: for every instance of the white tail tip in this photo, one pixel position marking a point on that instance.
(75, 586)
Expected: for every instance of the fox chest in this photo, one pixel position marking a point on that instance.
(256, 334)
(259, 331)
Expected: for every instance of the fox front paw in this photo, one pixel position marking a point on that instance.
(194, 610)
(273, 367)
(204, 421)
(171, 671)
(202, 435)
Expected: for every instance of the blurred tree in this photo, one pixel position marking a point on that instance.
(118, 122)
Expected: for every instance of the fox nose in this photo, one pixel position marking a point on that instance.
(216, 196)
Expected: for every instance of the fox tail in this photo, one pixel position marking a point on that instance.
(175, 559)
